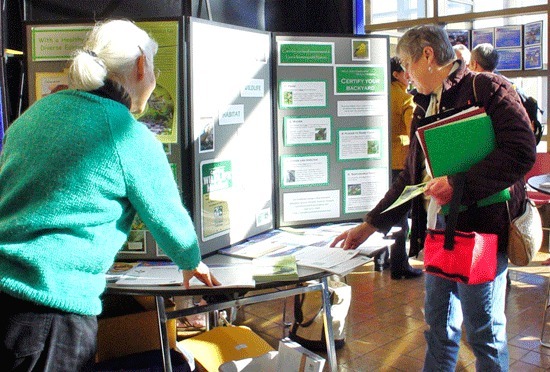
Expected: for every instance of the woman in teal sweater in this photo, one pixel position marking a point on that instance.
(75, 169)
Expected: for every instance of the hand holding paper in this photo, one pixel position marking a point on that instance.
(408, 193)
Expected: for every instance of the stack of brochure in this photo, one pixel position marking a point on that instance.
(275, 268)
(167, 273)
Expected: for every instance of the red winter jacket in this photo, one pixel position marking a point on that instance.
(505, 167)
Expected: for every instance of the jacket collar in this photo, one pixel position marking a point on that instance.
(115, 92)
(451, 81)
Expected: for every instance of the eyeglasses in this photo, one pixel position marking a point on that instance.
(404, 64)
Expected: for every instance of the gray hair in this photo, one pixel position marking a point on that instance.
(413, 42)
(111, 49)
(464, 52)
(486, 56)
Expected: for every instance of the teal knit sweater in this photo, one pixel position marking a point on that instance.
(74, 170)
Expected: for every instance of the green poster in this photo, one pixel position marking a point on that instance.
(306, 53)
(360, 79)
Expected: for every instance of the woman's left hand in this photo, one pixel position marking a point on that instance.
(202, 273)
(440, 189)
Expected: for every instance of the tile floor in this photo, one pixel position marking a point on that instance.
(385, 324)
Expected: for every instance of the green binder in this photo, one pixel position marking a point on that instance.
(456, 146)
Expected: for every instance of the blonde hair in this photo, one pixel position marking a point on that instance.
(111, 49)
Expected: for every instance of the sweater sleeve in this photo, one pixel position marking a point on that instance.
(153, 192)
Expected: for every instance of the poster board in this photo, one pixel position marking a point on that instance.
(231, 132)
(332, 114)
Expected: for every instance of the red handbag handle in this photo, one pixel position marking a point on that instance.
(452, 217)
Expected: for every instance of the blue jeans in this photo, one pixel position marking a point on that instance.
(481, 307)
(38, 338)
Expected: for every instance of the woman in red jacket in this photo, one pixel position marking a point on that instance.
(444, 83)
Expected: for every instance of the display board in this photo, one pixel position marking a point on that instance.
(231, 132)
(331, 104)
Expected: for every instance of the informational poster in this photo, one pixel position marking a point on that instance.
(231, 129)
(216, 180)
(508, 36)
(484, 35)
(332, 127)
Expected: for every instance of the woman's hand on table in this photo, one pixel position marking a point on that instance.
(353, 237)
(202, 273)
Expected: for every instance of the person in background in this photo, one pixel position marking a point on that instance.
(462, 52)
(443, 82)
(483, 58)
(75, 169)
(401, 114)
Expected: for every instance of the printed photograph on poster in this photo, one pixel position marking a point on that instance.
(361, 50)
(510, 59)
(161, 112)
(306, 130)
(532, 33)
(158, 115)
(302, 170)
(459, 37)
(297, 53)
(356, 144)
(363, 188)
(205, 128)
(532, 57)
(50, 82)
(484, 35)
(508, 36)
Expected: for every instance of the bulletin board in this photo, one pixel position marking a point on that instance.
(231, 132)
(332, 109)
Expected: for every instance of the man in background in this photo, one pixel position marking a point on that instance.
(462, 52)
(483, 58)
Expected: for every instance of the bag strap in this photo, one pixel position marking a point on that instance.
(452, 217)
(474, 86)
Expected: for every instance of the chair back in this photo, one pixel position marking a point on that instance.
(541, 166)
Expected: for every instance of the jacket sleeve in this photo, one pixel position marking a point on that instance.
(515, 150)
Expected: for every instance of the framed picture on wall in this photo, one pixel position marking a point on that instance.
(484, 35)
(459, 37)
(532, 33)
(508, 36)
(509, 59)
(532, 57)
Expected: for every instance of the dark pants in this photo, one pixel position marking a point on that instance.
(399, 259)
(39, 338)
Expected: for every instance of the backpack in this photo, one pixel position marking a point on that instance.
(532, 107)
